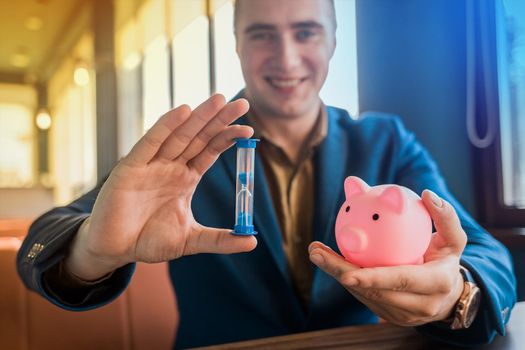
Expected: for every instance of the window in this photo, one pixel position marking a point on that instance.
(72, 144)
(228, 74)
(156, 89)
(156, 85)
(72, 136)
(340, 88)
(129, 80)
(496, 113)
(511, 87)
(190, 50)
(16, 135)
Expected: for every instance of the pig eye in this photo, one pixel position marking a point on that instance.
(347, 209)
(375, 217)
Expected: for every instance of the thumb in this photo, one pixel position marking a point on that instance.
(332, 263)
(205, 239)
(449, 233)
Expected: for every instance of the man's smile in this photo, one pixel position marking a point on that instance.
(284, 83)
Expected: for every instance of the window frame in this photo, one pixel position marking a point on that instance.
(488, 163)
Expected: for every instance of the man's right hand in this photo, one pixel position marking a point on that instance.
(143, 211)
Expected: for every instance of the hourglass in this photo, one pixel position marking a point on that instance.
(244, 187)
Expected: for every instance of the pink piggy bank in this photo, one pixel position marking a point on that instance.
(382, 225)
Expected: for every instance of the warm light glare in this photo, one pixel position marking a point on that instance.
(132, 61)
(33, 23)
(43, 120)
(20, 60)
(81, 76)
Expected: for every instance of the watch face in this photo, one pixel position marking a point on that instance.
(472, 306)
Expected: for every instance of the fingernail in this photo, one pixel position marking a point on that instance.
(317, 259)
(438, 202)
(314, 245)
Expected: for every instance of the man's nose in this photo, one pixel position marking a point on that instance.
(288, 56)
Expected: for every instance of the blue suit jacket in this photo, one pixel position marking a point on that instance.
(225, 298)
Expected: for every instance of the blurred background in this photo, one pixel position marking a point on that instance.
(82, 80)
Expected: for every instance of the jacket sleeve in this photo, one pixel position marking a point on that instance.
(47, 244)
(487, 259)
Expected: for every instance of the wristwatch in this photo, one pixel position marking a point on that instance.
(468, 304)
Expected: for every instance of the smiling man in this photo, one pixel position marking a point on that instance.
(166, 198)
(284, 52)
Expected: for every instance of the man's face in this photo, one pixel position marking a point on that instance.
(284, 47)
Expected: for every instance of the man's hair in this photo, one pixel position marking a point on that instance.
(236, 6)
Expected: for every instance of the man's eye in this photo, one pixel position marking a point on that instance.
(262, 36)
(304, 35)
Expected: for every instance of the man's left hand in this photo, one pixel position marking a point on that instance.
(407, 295)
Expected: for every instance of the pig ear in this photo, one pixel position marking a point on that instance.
(394, 198)
(354, 185)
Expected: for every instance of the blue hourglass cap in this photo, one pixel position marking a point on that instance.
(247, 143)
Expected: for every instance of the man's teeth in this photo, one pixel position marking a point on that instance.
(285, 83)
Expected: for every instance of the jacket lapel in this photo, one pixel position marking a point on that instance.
(330, 170)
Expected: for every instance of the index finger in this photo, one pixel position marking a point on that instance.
(182, 136)
(149, 144)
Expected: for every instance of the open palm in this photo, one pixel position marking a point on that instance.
(143, 211)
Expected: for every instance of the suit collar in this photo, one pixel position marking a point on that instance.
(330, 169)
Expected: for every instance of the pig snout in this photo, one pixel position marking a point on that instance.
(353, 239)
